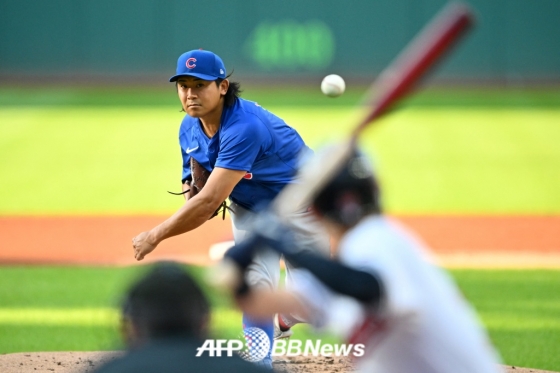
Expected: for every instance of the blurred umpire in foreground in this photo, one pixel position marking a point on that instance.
(165, 317)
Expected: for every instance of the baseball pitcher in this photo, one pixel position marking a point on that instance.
(248, 154)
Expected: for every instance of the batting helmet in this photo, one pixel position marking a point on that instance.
(351, 194)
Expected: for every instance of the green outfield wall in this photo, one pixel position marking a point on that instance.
(514, 41)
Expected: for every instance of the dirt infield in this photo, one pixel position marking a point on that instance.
(84, 362)
(483, 241)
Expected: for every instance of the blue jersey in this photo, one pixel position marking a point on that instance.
(249, 139)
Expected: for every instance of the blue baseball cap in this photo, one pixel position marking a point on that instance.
(201, 64)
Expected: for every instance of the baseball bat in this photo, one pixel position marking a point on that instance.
(414, 62)
(395, 82)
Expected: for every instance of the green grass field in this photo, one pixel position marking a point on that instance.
(520, 308)
(113, 151)
(95, 152)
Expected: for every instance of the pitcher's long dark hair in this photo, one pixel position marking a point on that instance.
(233, 92)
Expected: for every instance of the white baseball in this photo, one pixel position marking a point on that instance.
(333, 85)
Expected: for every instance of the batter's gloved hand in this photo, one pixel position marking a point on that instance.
(229, 273)
(267, 232)
(242, 253)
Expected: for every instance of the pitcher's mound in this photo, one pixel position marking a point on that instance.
(83, 362)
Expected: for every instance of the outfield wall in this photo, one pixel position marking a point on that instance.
(515, 41)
